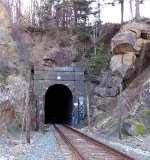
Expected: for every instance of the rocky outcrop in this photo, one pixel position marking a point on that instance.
(4, 17)
(12, 85)
(104, 94)
(130, 57)
(131, 62)
(61, 56)
(123, 42)
(12, 102)
(130, 50)
(129, 71)
(8, 51)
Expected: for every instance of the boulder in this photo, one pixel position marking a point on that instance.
(138, 45)
(96, 101)
(123, 42)
(128, 129)
(117, 81)
(61, 56)
(106, 92)
(103, 104)
(123, 65)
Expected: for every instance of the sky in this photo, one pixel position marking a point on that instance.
(113, 14)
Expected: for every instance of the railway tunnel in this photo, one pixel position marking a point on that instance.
(58, 104)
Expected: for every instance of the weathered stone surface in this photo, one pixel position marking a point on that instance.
(123, 42)
(145, 94)
(4, 17)
(106, 92)
(8, 49)
(145, 34)
(128, 129)
(12, 100)
(96, 101)
(123, 65)
(61, 56)
(138, 45)
(137, 93)
(117, 81)
(135, 26)
(103, 104)
(131, 50)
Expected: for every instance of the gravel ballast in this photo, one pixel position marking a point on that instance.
(43, 146)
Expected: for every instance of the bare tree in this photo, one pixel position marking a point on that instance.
(122, 10)
(113, 3)
(131, 10)
(137, 9)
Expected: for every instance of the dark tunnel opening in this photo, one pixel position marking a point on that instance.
(58, 104)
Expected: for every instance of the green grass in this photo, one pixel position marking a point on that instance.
(140, 127)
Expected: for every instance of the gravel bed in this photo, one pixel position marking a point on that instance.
(136, 147)
(43, 146)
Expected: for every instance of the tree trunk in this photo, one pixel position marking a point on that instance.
(122, 10)
(131, 10)
(63, 18)
(99, 12)
(75, 15)
(137, 9)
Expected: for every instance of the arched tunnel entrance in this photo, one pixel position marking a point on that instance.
(58, 104)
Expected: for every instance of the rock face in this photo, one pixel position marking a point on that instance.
(104, 95)
(123, 42)
(130, 57)
(130, 50)
(4, 17)
(7, 46)
(12, 101)
(44, 48)
(123, 64)
(61, 56)
(133, 64)
(12, 86)
(130, 70)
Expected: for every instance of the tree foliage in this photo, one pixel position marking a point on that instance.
(64, 13)
(100, 60)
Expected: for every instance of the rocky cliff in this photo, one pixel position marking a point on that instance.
(13, 86)
(129, 77)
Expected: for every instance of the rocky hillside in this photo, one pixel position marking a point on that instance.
(13, 85)
(127, 85)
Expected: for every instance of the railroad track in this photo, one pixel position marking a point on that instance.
(87, 148)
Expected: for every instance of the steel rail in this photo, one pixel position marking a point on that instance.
(94, 141)
(73, 148)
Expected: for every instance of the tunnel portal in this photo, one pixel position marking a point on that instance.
(58, 104)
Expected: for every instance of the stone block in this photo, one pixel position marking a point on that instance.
(38, 67)
(79, 69)
(38, 72)
(79, 87)
(65, 69)
(79, 76)
(38, 77)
